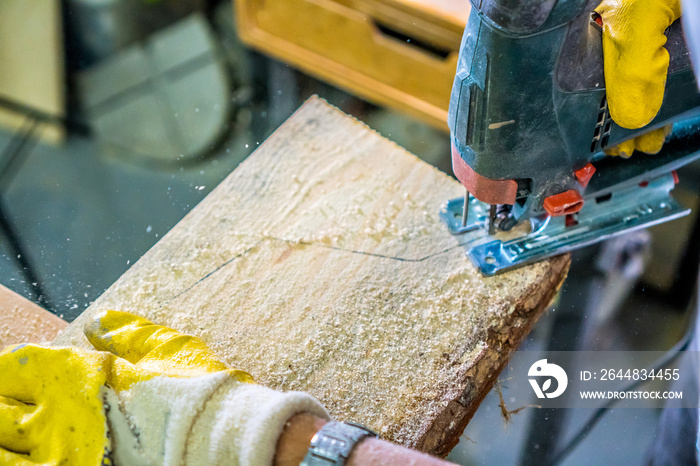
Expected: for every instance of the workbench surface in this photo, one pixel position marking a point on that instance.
(22, 321)
(321, 265)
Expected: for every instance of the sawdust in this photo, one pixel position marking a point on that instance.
(383, 345)
(341, 281)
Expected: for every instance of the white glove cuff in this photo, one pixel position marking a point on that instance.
(241, 424)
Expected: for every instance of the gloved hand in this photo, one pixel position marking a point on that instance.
(150, 395)
(636, 63)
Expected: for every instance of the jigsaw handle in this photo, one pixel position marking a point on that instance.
(517, 17)
(528, 106)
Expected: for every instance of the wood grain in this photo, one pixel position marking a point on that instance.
(23, 321)
(320, 265)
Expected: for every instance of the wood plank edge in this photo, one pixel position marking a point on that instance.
(442, 435)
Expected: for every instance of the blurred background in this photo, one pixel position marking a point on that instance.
(118, 116)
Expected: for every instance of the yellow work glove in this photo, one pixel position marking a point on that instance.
(150, 396)
(635, 63)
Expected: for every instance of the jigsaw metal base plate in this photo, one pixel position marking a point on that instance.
(599, 219)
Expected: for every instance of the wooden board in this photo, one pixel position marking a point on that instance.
(22, 321)
(320, 265)
(31, 62)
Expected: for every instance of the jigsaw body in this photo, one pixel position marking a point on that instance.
(529, 124)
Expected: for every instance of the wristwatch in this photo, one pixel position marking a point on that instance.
(333, 444)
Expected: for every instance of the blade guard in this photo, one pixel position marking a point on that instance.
(484, 189)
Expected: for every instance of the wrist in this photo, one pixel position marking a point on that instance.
(296, 438)
(374, 451)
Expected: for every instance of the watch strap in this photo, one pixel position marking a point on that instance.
(334, 442)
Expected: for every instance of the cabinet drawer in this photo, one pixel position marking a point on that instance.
(399, 53)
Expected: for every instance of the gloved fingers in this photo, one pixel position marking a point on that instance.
(17, 367)
(150, 346)
(634, 58)
(624, 149)
(11, 458)
(18, 407)
(11, 408)
(653, 141)
(15, 425)
(650, 142)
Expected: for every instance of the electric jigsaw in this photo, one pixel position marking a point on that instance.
(529, 124)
